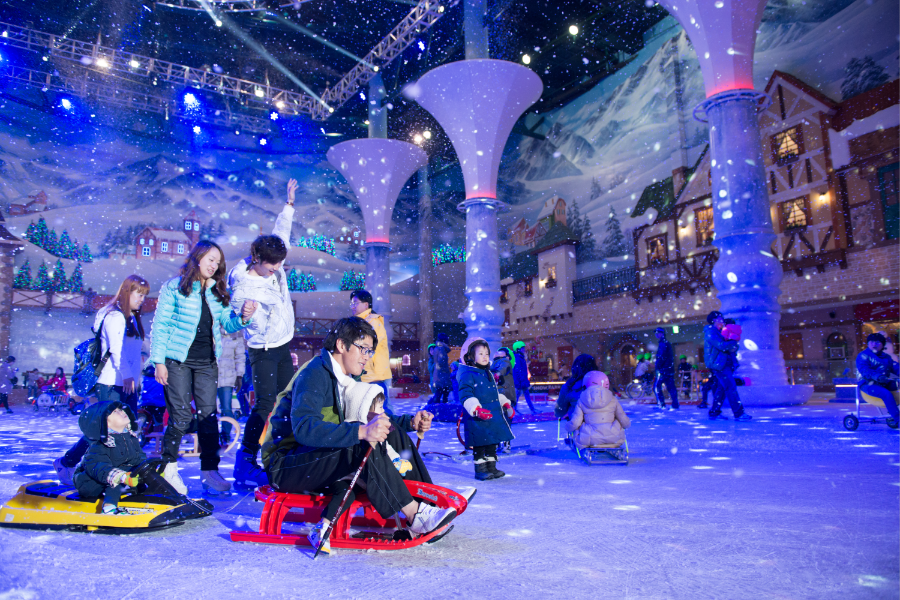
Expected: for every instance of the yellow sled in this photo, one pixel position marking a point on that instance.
(50, 504)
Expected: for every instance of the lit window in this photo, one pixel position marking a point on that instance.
(794, 213)
(657, 252)
(504, 294)
(151, 241)
(142, 241)
(145, 251)
(528, 288)
(196, 226)
(187, 225)
(180, 248)
(164, 246)
(703, 223)
(551, 276)
(787, 145)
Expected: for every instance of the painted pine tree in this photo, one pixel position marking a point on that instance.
(76, 281)
(22, 280)
(58, 283)
(614, 243)
(576, 224)
(42, 279)
(587, 250)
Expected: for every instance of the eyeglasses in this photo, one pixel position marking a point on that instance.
(365, 351)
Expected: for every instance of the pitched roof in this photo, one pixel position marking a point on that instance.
(549, 207)
(168, 234)
(866, 104)
(519, 266)
(803, 87)
(558, 235)
(659, 196)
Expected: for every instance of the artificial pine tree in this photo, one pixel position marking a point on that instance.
(30, 232)
(293, 281)
(307, 282)
(352, 281)
(58, 283)
(85, 254)
(22, 280)
(39, 234)
(76, 281)
(42, 279)
(66, 248)
(614, 243)
(51, 244)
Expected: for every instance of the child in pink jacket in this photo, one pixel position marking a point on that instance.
(598, 418)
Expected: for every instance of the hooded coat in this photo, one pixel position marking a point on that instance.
(520, 372)
(273, 321)
(598, 419)
(478, 388)
(718, 353)
(110, 453)
(441, 377)
(503, 367)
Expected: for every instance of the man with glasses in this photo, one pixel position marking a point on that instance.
(309, 446)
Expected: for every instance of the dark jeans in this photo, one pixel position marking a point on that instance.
(197, 379)
(520, 391)
(482, 453)
(305, 472)
(441, 395)
(725, 388)
(113, 494)
(225, 398)
(668, 380)
(272, 372)
(884, 391)
(116, 393)
(4, 401)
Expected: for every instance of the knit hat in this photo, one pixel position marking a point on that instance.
(711, 317)
(358, 399)
(596, 378)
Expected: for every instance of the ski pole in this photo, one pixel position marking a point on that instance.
(421, 437)
(337, 515)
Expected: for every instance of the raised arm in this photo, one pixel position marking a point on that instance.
(286, 219)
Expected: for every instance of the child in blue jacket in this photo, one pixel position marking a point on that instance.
(483, 408)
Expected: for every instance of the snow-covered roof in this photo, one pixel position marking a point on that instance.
(169, 234)
(549, 207)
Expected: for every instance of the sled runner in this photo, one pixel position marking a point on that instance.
(367, 531)
(607, 454)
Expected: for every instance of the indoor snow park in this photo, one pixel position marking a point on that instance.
(448, 299)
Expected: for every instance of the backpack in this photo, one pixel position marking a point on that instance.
(89, 363)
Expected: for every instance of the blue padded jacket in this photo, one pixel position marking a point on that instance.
(718, 353)
(176, 319)
(876, 368)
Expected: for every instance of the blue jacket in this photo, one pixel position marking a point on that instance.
(308, 415)
(440, 376)
(520, 372)
(479, 383)
(503, 368)
(568, 397)
(718, 353)
(665, 358)
(875, 367)
(176, 319)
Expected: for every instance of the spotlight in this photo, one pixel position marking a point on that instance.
(190, 100)
(259, 93)
(417, 138)
(573, 29)
(279, 105)
(102, 63)
(426, 134)
(134, 64)
(263, 141)
(526, 59)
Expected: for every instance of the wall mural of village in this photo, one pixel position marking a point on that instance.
(97, 201)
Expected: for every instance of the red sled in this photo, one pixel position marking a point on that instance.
(281, 507)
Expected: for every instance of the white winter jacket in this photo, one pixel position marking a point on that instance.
(232, 362)
(124, 352)
(273, 322)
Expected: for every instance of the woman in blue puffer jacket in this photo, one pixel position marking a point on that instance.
(185, 343)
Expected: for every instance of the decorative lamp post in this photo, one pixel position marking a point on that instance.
(747, 275)
(477, 102)
(377, 170)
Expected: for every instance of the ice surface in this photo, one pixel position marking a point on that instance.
(802, 511)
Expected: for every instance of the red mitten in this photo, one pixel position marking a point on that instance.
(483, 414)
(732, 332)
(510, 411)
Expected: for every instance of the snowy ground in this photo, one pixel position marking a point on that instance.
(788, 506)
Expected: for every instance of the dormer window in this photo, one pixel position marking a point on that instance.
(787, 146)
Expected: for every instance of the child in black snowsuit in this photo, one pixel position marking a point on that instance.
(484, 406)
(114, 452)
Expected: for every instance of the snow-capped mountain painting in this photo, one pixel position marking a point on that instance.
(630, 131)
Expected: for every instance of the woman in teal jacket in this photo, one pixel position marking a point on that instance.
(185, 343)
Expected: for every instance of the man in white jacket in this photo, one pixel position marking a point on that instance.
(260, 277)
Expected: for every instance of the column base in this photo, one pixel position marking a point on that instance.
(774, 395)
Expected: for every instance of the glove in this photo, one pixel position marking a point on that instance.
(510, 411)
(483, 414)
(404, 466)
(131, 480)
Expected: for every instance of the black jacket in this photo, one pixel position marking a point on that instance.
(309, 416)
(665, 358)
(108, 452)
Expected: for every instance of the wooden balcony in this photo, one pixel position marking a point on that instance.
(685, 274)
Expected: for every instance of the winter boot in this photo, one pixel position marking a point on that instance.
(214, 484)
(315, 537)
(429, 518)
(492, 467)
(247, 473)
(171, 475)
(743, 417)
(482, 472)
(63, 473)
